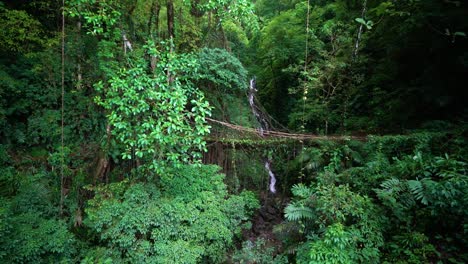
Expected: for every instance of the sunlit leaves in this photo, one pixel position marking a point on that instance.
(100, 16)
(368, 24)
(19, 31)
(336, 247)
(238, 11)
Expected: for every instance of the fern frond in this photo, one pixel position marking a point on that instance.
(302, 191)
(297, 212)
(393, 186)
(417, 189)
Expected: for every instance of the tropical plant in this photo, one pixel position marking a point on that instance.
(187, 218)
(30, 230)
(258, 252)
(340, 226)
(156, 114)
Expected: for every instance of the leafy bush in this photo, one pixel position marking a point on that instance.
(223, 78)
(156, 116)
(258, 252)
(426, 200)
(30, 231)
(221, 70)
(400, 201)
(189, 218)
(340, 226)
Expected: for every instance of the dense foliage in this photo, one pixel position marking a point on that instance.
(185, 218)
(386, 208)
(158, 116)
(104, 129)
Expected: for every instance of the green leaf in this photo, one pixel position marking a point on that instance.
(361, 21)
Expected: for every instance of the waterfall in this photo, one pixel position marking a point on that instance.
(261, 120)
(272, 176)
(252, 92)
(263, 127)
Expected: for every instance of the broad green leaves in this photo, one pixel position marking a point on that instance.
(336, 247)
(101, 16)
(368, 24)
(153, 109)
(238, 11)
(157, 114)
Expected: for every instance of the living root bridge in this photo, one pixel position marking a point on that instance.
(276, 135)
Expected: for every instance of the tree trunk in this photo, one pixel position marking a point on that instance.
(225, 40)
(128, 18)
(155, 10)
(170, 19)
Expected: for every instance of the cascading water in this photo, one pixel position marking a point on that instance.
(263, 127)
(261, 120)
(272, 176)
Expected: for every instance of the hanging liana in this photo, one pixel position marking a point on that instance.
(62, 178)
